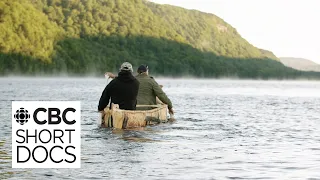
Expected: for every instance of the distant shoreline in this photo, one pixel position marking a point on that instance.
(159, 78)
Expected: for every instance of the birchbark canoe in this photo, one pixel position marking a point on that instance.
(123, 119)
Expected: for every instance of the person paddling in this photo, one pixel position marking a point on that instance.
(122, 90)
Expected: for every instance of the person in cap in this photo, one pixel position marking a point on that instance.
(149, 90)
(122, 90)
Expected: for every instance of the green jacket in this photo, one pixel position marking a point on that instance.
(149, 89)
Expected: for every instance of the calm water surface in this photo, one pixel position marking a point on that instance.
(225, 129)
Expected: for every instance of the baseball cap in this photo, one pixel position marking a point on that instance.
(143, 68)
(126, 66)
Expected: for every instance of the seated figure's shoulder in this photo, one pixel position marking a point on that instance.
(136, 80)
(151, 77)
(153, 81)
(112, 83)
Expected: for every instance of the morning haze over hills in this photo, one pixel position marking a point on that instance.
(81, 37)
(300, 64)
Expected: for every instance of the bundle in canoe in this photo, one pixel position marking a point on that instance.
(122, 119)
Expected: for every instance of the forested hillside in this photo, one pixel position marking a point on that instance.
(82, 37)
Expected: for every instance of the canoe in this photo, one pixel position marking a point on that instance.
(124, 119)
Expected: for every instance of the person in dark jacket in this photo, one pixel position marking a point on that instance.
(122, 90)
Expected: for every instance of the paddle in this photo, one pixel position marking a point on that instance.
(107, 77)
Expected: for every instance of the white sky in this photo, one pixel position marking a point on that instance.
(288, 28)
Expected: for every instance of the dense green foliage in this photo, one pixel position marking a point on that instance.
(93, 36)
(164, 57)
(206, 32)
(25, 30)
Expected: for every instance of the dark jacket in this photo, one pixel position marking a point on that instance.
(149, 89)
(123, 90)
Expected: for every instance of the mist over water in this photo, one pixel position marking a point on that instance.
(225, 129)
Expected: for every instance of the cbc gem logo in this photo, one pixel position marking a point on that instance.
(46, 134)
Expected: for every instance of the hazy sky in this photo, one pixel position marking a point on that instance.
(288, 28)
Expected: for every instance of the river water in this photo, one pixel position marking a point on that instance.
(224, 129)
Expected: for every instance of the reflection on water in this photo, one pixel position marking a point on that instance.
(5, 161)
(223, 130)
(133, 134)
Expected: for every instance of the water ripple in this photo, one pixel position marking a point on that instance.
(223, 130)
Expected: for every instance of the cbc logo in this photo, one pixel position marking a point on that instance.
(22, 116)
